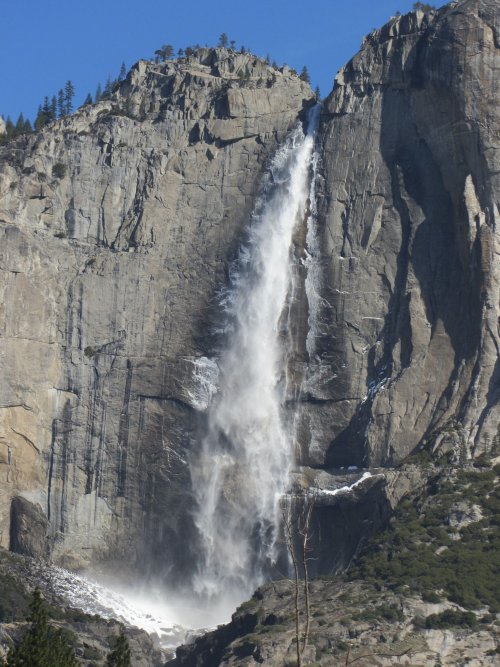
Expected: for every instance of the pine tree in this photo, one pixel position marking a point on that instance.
(39, 117)
(163, 54)
(27, 126)
(19, 129)
(223, 40)
(9, 127)
(41, 646)
(317, 93)
(88, 100)
(123, 72)
(46, 108)
(98, 93)
(69, 93)
(304, 75)
(232, 44)
(53, 108)
(120, 655)
(107, 88)
(180, 53)
(60, 104)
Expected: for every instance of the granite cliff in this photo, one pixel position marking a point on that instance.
(118, 225)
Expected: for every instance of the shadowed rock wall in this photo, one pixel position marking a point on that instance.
(409, 194)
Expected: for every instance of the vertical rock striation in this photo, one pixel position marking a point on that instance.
(116, 228)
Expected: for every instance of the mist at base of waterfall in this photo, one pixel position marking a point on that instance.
(173, 618)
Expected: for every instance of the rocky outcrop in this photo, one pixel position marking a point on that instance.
(28, 529)
(349, 622)
(408, 197)
(116, 228)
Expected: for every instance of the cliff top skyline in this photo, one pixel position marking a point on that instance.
(44, 46)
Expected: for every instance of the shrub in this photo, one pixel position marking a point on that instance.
(59, 170)
(450, 619)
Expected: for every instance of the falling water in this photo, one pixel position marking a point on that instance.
(243, 467)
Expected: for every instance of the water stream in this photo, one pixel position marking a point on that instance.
(243, 468)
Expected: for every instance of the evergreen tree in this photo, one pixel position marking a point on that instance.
(120, 655)
(180, 53)
(242, 49)
(88, 100)
(53, 108)
(304, 75)
(223, 40)
(27, 126)
(46, 109)
(38, 118)
(69, 93)
(123, 72)
(44, 114)
(108, 88)
(41, 646)
(9, 127)
(423, 7)
(163, 54)
(98, 93)
(60, 103)
(317, 93)
(19, 129)
(232, 44)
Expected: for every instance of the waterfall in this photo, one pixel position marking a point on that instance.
(242, 470)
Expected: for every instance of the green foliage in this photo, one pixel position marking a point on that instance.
(120, 655)
(388, 612)
(223, 40)
(423, 7)
(69, 94)
(42, 646)
(60, 103)
(14, 602)
(409, 555)
(163, 54)
(304, 75)
(450, 619)
(59, 170)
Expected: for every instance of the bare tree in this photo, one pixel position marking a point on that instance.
(298, 538)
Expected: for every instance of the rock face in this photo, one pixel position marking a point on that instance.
(408, 336)
(117, 225)
(28, 529)
(348, 622)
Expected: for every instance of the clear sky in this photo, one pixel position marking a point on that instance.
(43, 44)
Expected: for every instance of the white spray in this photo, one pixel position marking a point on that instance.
(242, 471)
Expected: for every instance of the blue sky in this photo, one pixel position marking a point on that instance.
(43, 44)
